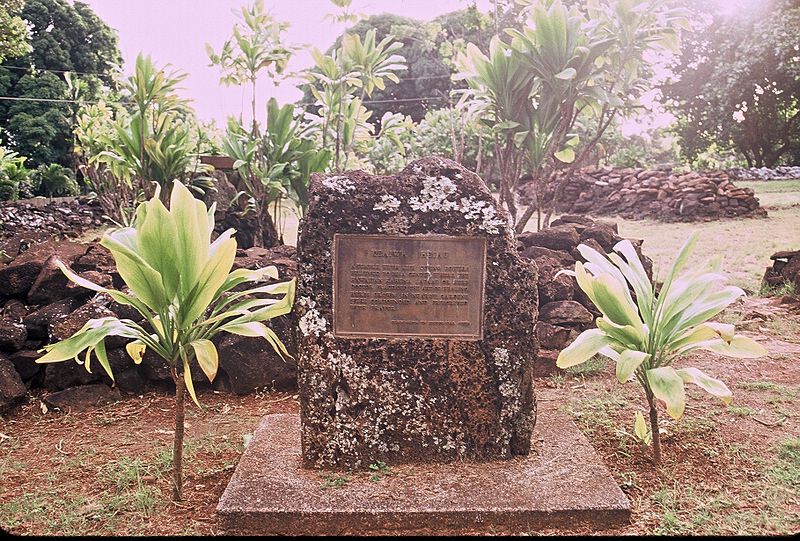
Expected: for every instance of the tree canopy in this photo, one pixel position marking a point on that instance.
(13, 31)
(64, 37)
(737, 84)
(429, 48)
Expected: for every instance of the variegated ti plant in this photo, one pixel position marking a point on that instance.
(646, 334)
(182, 284)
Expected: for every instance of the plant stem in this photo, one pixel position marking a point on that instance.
(654, 427)
(177, 450)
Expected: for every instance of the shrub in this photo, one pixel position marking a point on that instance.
(182, 284)
(9, 189)
(645, 336)
(54, 181)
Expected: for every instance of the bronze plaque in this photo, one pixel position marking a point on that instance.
(423, 286)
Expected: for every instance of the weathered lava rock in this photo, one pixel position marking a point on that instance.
(82, 398)
(565, 310)
(414, 400)
(12, 390)
(17, 277)
(12, 335)
(661, 194)
(249, 364)
(785, 269)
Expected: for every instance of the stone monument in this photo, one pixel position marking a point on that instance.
(416, 341)
(416, 321)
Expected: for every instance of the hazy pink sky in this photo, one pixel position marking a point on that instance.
(176, 31)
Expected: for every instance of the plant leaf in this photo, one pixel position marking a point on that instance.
(136, 350)
(667, 386)
(629, 361)
(207, 357)
(583, 348)
(707, 383)
(187, 379)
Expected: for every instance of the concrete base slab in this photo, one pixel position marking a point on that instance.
(562, 484)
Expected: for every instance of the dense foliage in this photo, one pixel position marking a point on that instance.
(64, 37)
(737, 84)
(14, 33)
(53, 181)
(564, 68)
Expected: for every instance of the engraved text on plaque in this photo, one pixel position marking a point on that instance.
(426, 286)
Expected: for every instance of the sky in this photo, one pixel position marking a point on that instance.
(175, 32)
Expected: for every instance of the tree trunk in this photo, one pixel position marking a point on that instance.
(654, 427)
(177, 450)
(267, 235)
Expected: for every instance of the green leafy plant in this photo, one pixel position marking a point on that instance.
(274, 167)
(356, 67)
(644, 336)
(14, 176)
(182, 284)
(153, 144)
(54, 180)
(379, 469)
(256, 45)
(9, 190)
(334, 480)
(565, 67)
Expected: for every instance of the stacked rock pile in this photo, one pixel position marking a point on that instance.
(658, 194)
(765, 173)
(38, 306)
(564, 310)
(785, 269)
(65, 216)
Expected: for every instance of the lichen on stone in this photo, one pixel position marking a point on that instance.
(340, 184)
(388, 203)
(483, 215)
(434, 195)
(311, 322)
(509, 391)
(415, 400)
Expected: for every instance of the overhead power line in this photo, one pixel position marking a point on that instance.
(33, 68)
(48, 100)
(57, 100)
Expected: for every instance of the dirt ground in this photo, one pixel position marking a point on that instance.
(726, 470)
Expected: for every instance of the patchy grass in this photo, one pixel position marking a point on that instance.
(593, 366)
(745, 244)
(741, 411)
(775, 193)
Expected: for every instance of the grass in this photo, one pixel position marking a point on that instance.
(780, 390)
(746, 244)
(775, 193)
(126, 489)
(593, 366)
(741, 411)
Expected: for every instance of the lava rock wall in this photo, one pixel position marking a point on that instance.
(657, 194)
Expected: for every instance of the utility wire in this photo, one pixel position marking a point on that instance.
(47, 100)
(32, 68)
(56, 100)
